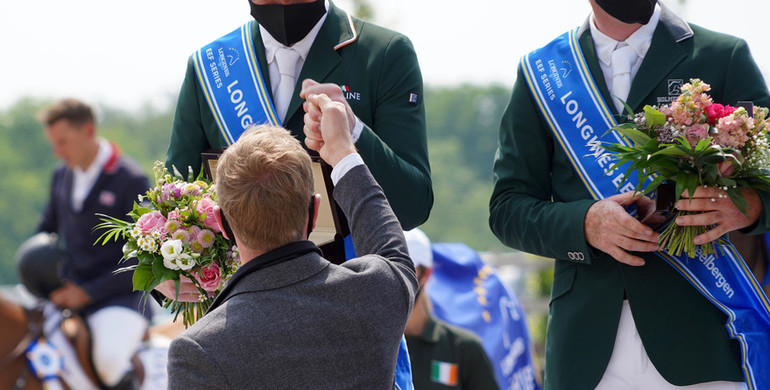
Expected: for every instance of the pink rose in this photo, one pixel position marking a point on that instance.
(205, 208)
(717, 111)
(152, 221)
(209, 277)
(714, 112)
(728, 167)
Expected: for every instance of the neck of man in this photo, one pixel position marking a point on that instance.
(612, 27)
(91, 151)
(246, 253)
(419, 317)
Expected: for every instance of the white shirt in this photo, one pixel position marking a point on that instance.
(639, 41)
(84, 180)
(302, 48)
(345, 165)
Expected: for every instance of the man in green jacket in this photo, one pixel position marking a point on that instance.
(619, 315)
(372, 70)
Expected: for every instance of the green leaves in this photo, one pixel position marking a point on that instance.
(161, 273)
(116, 229)
(653, 117)
(638, 138)
(143, 278)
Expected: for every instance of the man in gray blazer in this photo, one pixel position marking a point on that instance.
(289, 319)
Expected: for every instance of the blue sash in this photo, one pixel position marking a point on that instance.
(571, 104)
(232, 82)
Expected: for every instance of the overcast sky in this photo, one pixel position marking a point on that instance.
(126, 53)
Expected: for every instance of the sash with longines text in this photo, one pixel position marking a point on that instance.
(565, 92)
(232, 82)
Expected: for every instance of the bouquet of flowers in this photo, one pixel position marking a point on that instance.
(174, 233)
(695, 142)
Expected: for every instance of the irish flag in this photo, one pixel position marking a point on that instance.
(444, 373)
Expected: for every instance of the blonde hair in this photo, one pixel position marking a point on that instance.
(264, 184)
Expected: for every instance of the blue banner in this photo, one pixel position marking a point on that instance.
(468, 293)
(572, 106)
(232, 82)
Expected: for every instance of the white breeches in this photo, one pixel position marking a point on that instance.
(116, 334)
(631, 368)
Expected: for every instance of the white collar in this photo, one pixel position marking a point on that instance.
(639, 41)
(84, 180)
(302, 47)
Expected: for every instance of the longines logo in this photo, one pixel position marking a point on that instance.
(350, 95)
(232, 56)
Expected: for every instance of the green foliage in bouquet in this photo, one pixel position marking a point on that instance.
(695, 142)
(174, 234)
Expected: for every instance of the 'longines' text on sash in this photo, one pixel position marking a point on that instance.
(236, 97)
(571, 106)
(232, 84)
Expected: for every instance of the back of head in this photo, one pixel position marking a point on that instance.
(264, 183)
(71, 110)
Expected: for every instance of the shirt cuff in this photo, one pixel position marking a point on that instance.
(357, 129)
(347, 163)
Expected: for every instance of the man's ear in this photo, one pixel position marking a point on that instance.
(423, 274)
(220, 221)
(90, 129)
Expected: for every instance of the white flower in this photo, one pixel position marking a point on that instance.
(147, 244)
(170, 250)
(136, 232)
(170, 264)
(185, 261)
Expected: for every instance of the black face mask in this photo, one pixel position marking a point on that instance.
(629, 11)
(288, 24)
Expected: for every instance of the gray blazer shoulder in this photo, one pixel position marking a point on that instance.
(308, 323)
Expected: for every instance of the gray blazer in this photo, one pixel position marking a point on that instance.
(307, 323)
